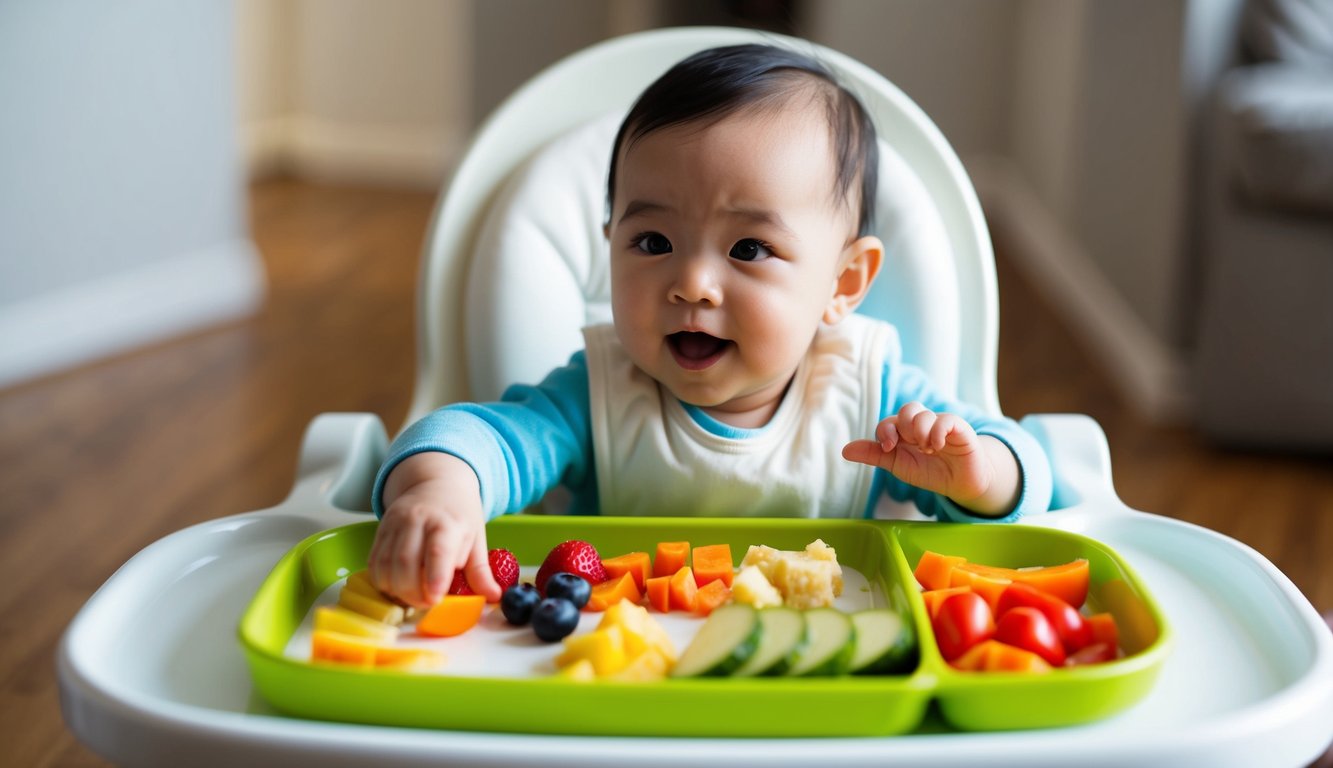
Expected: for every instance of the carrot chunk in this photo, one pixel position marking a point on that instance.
(710, 596)
(683, 589)
(659, 593)
(612, 591)
(637, 563)
(671, 556)
(712, 562)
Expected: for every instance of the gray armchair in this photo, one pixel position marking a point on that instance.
(1264, 345)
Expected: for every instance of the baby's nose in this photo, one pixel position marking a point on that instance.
(696, 283)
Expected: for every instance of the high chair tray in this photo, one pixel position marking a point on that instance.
(152, 674)
(499, 678)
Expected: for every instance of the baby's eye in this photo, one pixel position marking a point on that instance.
(750, 249)
(653, 243)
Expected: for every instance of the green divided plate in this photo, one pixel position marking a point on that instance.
(883, 551)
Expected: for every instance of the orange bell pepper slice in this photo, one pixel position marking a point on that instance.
(934, 570)
(995, 656)
(1068, 581)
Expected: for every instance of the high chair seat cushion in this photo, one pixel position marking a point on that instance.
(540, 270)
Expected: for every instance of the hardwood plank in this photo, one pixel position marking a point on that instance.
(99, 462)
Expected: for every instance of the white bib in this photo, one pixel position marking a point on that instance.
(652, 458)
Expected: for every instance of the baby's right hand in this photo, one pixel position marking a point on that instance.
(433, 525)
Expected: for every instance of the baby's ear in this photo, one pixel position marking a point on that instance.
(859, 262)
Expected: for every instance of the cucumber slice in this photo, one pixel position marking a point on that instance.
(832, 642)
(724, 642)
(883, 642)
(782, 639)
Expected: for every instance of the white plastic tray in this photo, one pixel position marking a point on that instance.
(151, 672)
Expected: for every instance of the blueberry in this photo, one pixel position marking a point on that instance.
(554, 618)
(517, 603)
(573, 588)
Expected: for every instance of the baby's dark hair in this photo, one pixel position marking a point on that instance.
(713, 84)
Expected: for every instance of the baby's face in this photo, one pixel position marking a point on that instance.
(726, 243)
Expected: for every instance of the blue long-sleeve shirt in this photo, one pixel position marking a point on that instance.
(539, 436)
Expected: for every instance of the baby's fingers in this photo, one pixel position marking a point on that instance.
(403, 565)
(945, 425)
(437, 572)
(864, 452)
(918, 433)
(478, 571)
(887, 434)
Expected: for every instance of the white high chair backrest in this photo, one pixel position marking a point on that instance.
(516, 262)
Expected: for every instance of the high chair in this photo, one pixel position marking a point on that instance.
(515, 263)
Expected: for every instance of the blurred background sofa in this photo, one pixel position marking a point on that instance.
(1264, 353)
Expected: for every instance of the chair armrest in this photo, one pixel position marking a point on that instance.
(346, 448)
(1080, 458)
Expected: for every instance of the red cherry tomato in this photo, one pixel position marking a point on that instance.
(1096, 653)
(1068, 623)
(962, 621)
(1028, 628)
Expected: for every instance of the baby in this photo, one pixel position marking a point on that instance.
(735, 379)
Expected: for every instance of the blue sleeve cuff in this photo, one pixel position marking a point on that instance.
(461, 428)
(1034, 495)
(534, 438)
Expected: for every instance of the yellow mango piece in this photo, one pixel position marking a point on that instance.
(342, 620)
(360, 583)
(580, 671)
(338, 648)
(624, 613)
(605, 648)
(640, 629)
(751, 586)
(378, 609)
(408, 659)
(646, 667)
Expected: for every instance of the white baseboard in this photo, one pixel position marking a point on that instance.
(99, 317)
(325, 151)
(1148, 373)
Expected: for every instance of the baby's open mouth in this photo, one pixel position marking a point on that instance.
(695, 351)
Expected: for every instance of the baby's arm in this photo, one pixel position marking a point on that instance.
(464, 464)
(433, 524)
(941, 453)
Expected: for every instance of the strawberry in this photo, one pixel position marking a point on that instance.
(460, 585)
(504, 567)
(574, 556)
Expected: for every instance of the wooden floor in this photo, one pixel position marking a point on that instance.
(97, 463)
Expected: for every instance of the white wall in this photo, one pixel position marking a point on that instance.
(954, 58)
(390, 92)
(346, 90)
(1044, 104)
(122, 215)
(1094, 186)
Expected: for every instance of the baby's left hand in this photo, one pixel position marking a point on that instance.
(938, 452)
